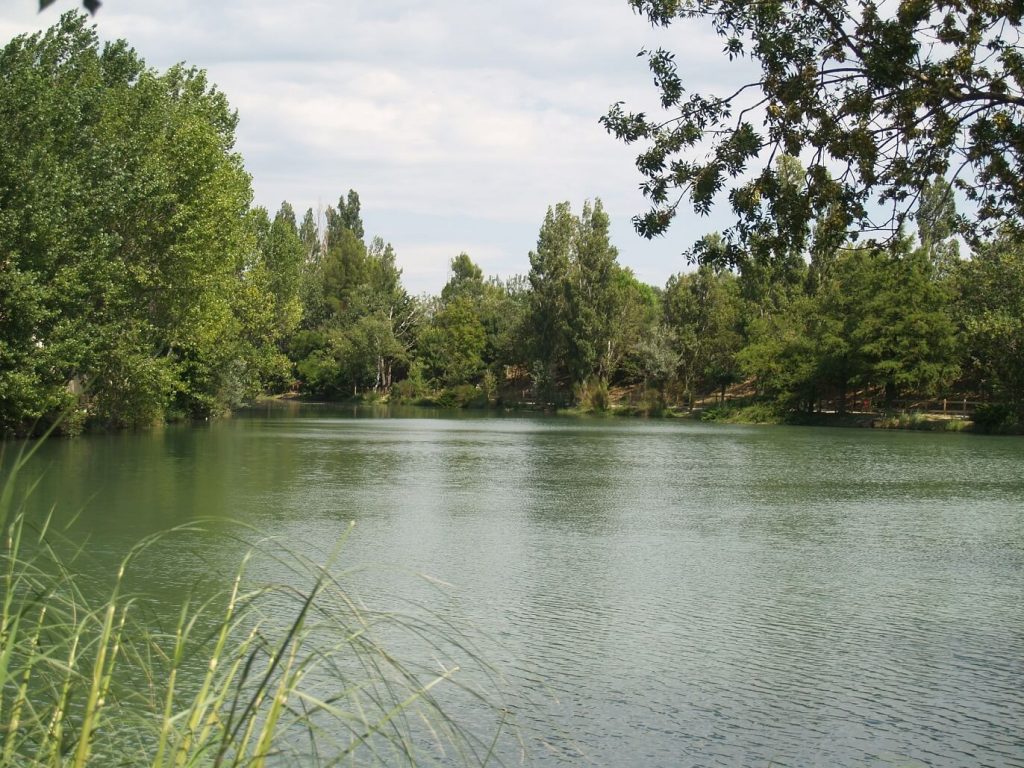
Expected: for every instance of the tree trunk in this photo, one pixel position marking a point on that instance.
(890, 394)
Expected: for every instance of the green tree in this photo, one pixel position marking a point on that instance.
(906, 334)
(936, 227)
(549, 272)
(591, 297)
(284, 254)
(573, 299)
(123, 229)
(311, 276)
(361, 323)
(884, 97)
(636, 312)
(877, 320)
(467, 280)
(454, 343)
(344, 271)
(383, 296)
(990, 312)
(782, 357)
(704, 311)
(503, 313)
(344, 262)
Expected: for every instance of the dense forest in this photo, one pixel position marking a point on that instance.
(138, 284)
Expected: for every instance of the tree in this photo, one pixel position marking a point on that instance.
(990, 311)
(591, 297)
(503, 311)
(454, 342)
(905, 333)
(887, 97)
(549, 272)
(782, 358)
(311, 278)
(636, 311)
(703, 310)
(936, 227)
(124, 234)
(284, 254)
(344, 269)
(382, 296)
(360, 322)
(876, 319)
(467, 280)
(574, 297)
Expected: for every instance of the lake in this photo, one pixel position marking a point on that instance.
(654, 593)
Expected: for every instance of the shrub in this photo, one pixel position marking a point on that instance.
(652, 403)
(592, 395)
(755, 413)
(995, 417)
(461, 396)
(411, 388)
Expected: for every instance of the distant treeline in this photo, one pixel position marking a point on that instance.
(138, 283)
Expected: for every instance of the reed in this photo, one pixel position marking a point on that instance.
(254, 676)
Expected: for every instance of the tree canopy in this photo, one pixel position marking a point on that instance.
(877, 99)
(138, 282)
(129, 263)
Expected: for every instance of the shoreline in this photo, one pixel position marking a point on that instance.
(750, 415)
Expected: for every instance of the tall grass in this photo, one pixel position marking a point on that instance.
(592, 395)
(274, 675)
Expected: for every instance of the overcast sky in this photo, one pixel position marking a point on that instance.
(458, 121)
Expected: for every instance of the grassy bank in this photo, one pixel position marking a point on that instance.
(761, 413)
(252, 676)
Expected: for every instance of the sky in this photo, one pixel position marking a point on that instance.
(458, 122)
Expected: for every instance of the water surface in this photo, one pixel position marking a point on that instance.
(656, 593)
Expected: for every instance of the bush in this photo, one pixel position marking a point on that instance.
(411, 388)
(755, 413)
(652, 403)
(461, 396)
(996, 418)
(489, 385)
(592, 395)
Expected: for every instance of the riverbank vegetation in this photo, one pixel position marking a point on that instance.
(294, 673)
(139, 284)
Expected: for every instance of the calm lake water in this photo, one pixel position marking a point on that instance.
(654, 593)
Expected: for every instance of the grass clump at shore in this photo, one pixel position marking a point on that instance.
(273, 675)
(755, 413)
(921, 422)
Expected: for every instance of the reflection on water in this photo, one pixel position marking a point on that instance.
(655, 593)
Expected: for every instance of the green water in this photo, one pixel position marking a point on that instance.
(655, 593)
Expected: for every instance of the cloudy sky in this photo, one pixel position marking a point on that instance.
(458, 121)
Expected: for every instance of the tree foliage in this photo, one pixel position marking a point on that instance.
(990, 312)
(876, 98)
(359, 321)
(126, 246)
(138, 283)
(574, 296)
(875, 320)
(704, 311)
